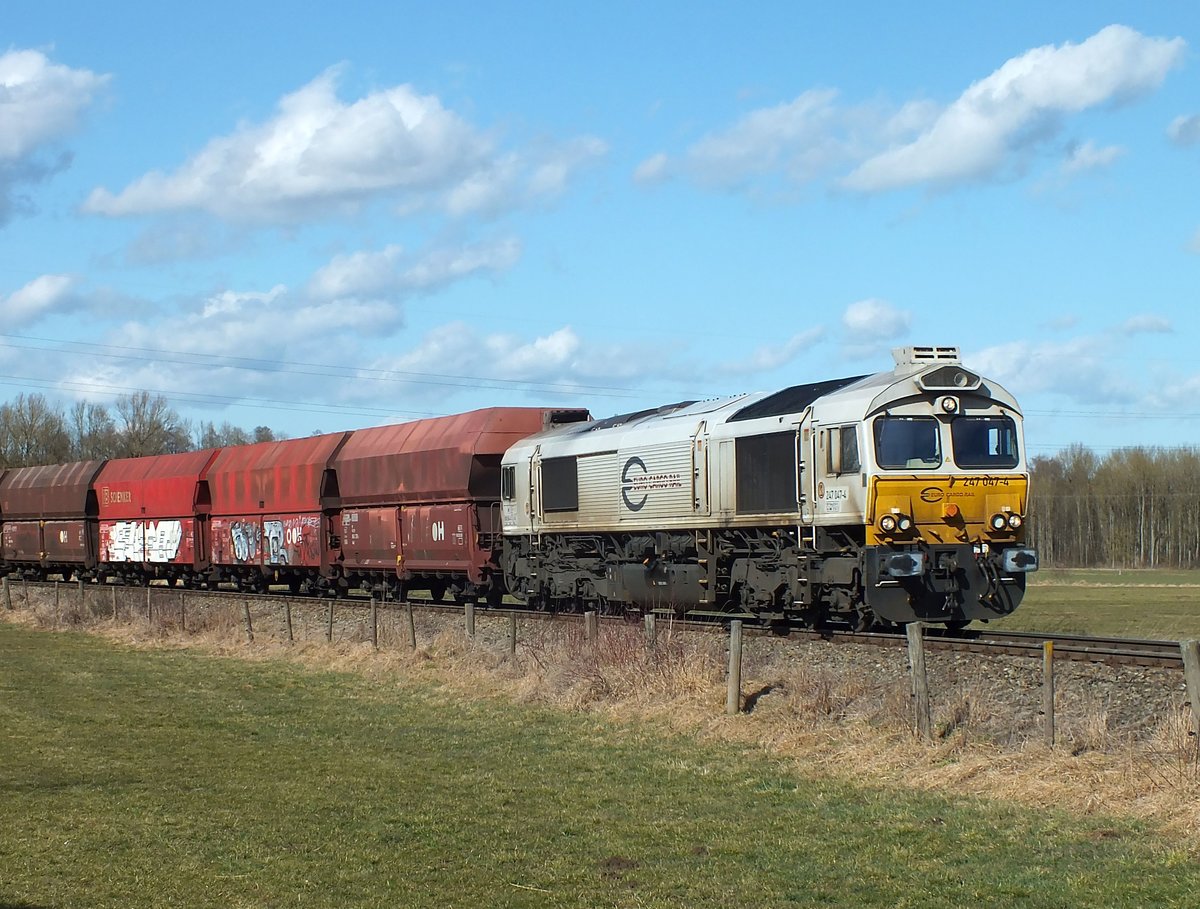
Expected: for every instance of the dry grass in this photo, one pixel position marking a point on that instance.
(842, 724)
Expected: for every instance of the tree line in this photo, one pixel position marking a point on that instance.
(1131, 508)
(35, 431)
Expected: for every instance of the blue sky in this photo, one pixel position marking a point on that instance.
(352, 214)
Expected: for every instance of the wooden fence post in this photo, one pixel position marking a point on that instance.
(1048, 693)
(183, 611)
(25, 590)
(412, 627)
(591, 627)
(469, 610)
(375, 621)
(7, 594)
(114, 601)
(81, 596)
(329, 626)
(249, 627)
(512, 634)
(149, 607)
(733, 692)
(1191, 674)
(287, 616)
(920, 681)
(56, 604)
(651, 632)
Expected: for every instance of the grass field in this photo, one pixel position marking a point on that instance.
(170, 778)
(1129, 603)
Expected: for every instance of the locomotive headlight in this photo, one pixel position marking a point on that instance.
(905, 523)
(887, 524)
(949, 404)
(1015, 521)
(999, 522)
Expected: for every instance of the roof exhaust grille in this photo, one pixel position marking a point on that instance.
(924, 356)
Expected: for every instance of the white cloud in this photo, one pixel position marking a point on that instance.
(39, 298)
(798, 138)
(40, 104)
(390, 272)
(1084, 369)
(772, 356)
(1091, 370)
(872, 320)
(1194, 243)
(1185, 130)
(982, 134)
(40, 101)
(234, 343)
(516, 180)
(988, 133)
(1086, 156)
(319, 156)
(558, 365)
(654, 169)
(1146, 324)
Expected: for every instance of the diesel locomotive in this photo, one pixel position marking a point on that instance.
(892, 497)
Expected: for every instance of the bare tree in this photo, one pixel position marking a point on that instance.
(267, 434)
(92, 430)
(209, 435)
(32, 432)
(149, 426)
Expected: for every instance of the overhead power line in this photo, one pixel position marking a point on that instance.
(261, 365)
(214, 399)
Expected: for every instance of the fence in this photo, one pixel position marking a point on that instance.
(168, 609)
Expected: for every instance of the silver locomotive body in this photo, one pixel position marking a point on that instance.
(896, 496)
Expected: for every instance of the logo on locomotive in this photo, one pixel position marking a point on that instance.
(636, 478)
(628, 483)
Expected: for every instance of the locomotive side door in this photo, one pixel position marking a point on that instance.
(535, 492)
(809, 467)
(700, 469)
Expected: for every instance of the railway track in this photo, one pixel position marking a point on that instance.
(1110, 651)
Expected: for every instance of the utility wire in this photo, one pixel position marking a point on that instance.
(150, 355)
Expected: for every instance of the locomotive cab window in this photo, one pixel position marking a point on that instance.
(903, 443)
(508, 483)
(988, 442)
(841, 450)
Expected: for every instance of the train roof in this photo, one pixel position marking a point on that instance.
(48, 492)
(166, 486)
(271, 477)
(917, 371)
(453, 458)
